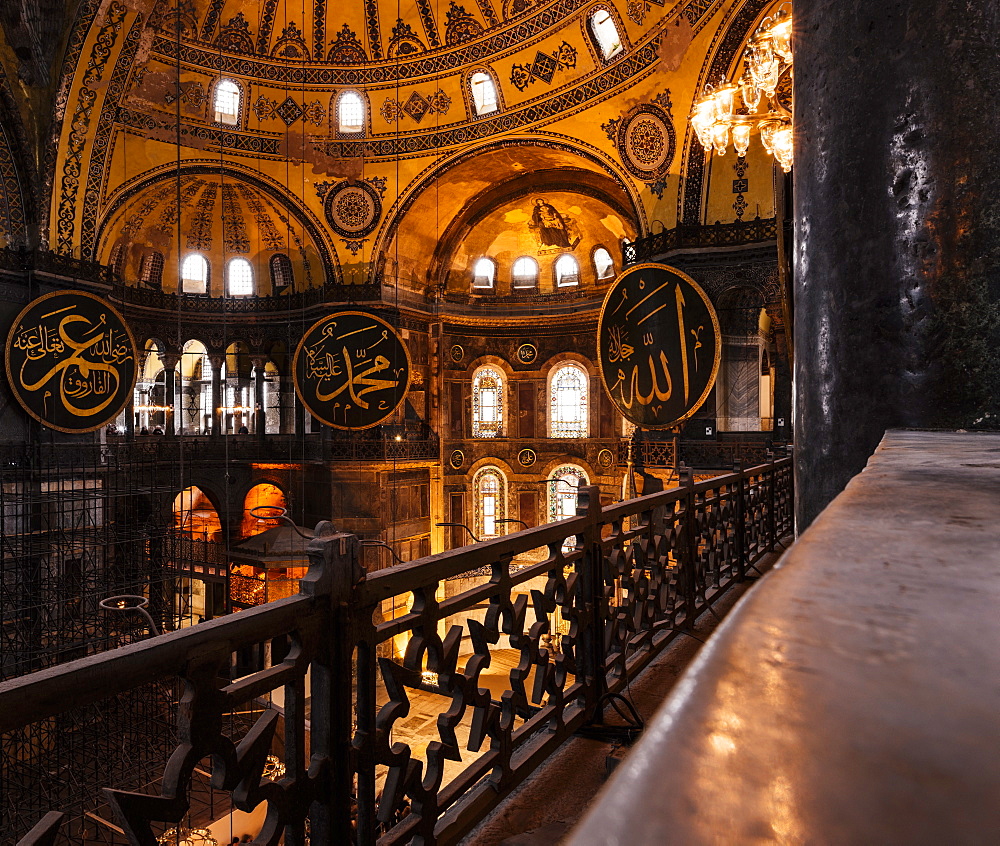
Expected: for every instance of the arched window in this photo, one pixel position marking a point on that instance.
(604, 265)
(151, 270)
(227, 102)
(567, 271)
(525, 273)
(194, 274)
(605, 33)
(487, 403)
(564, 484)
(281, 272)
(484, 273)
(490, 494)
(484, 93)
(239, 278)
(350, 113)
(569, 402)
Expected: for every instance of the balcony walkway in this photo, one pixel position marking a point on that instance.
(853, 696)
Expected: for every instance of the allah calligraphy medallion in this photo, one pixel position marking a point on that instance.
(351, 370)
(71, 361)
(658, 345)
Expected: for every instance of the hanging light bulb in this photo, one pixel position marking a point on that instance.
(767, 129)
(781, 39)
(741, 136)
(720, 138)
(725, 101)
(702, 121)
(782, 146)
(750, 92)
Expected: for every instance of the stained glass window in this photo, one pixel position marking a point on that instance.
(563, 485)
(568, 402)
(490, 486)
(487, 403)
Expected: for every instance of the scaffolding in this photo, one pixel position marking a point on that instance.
(80, 523)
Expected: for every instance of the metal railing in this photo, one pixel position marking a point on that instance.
(619, 582)
(685, 235)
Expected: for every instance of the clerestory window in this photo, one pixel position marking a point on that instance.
(568, 402)
(227, 102)
(487, 403)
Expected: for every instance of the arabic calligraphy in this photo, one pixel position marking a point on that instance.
(351, 370)
(659, 345)
(71, 361)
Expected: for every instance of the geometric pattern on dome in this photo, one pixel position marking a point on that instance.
(289, 111)
(352, 208)
(460, 25)
(346, 49)
(416, 107)
(544, 66)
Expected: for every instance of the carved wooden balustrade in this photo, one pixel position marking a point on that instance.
(623, 581)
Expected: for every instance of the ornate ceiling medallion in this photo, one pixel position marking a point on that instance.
(646, 141)
(353, 209)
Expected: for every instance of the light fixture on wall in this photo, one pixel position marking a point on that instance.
(187, 837)
(761, 99)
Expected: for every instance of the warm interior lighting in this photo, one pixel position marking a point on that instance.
(152, 408)
(733, 109)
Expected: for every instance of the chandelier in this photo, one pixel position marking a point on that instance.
(187, 837)
(760, 100)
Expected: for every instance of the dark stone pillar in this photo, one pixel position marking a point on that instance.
(897, 254)
(217, 403)
(170, 393)
(259, 418)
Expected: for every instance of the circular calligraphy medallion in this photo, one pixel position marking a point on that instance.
(606, 458)
(71, 361)
(646, 141)
(526, 457)
(457, 353)
(527, 353)
(457, 459)
(659, 345)
(353, 209)
(351, 370)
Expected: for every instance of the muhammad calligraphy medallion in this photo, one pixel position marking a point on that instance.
(351, 370)
(659, 345)
(71, 361)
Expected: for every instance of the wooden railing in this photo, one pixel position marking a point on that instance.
(599, 596)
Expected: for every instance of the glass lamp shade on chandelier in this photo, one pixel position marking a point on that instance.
(761, 99)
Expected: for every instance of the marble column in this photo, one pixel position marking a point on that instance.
(897, 228)
(259, 415)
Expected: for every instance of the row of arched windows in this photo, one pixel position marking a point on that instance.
(568, 405)
(524, 271)
(489, 487)
(483, 89)
(196, 272)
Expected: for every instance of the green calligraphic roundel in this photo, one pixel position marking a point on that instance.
(71, 361)
(351, 370)
(658, 345)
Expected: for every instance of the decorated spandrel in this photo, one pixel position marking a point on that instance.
(351, 370)
(71, 361)
(658, 345)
